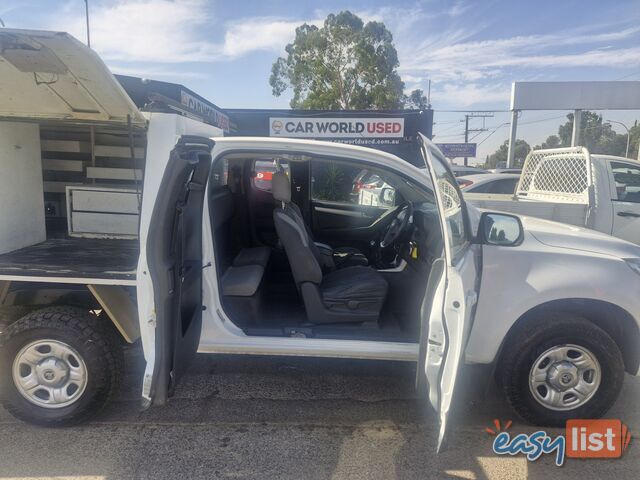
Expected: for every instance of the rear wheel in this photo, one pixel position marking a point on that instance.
(58, 366)
(561, 366)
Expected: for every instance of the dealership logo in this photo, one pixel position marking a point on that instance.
(218, 118)
(378, 127)
(608, 438)
(276, 127)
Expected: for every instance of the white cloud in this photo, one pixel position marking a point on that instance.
(466, 71)
(165, 31)
(160, 31)
(467, 94)
(261, 33)
(457, 9)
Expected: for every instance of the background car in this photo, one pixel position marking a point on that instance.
(370, 189)
(505, 170)
(497, 183)
(461, 170)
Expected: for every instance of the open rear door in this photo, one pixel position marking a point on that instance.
(173, 255)
(448, 307)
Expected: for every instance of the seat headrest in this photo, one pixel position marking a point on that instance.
(280, 187)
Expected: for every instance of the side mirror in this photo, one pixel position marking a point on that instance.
(500, 229)
(387, 196)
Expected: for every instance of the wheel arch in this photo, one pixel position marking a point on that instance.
(24, 297)
(619, 324)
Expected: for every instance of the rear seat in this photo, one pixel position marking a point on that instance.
(252, 256)
(228, 250)
(242, 292)
(241, 269)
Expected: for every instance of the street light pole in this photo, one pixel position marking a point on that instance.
(626, 154)
(86, 10)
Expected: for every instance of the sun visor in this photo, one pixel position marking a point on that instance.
(52, 76)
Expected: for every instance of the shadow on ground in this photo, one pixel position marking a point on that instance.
(289, 418)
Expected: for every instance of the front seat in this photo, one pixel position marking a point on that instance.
(330, 258)
(350, 294)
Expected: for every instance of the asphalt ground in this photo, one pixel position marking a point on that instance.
(290, 418)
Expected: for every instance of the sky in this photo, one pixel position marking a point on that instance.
(471, 51)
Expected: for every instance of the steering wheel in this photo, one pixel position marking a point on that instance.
(398, 225)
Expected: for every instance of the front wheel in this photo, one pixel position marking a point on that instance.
(559, 367)
(58, 366)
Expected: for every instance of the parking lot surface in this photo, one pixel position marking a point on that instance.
(289, 418)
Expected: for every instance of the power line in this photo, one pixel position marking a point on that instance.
(450, 128)
(446, 123)
(449, 136)
(473, 111)
(494, 131)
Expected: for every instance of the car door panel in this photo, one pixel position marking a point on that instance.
(336, 215)
(447, 318)
(342, 225)
(626, 200)
(347, 203)
(174, 258)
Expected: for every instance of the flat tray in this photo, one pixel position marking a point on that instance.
(74, 257)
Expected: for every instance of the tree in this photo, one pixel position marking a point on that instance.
(552, 141)
(635, 140)
(416, 99)
(595, 134)
(522, 149)
(345, 64)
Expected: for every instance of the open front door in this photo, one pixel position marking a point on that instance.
(447, 312)
(173, 253)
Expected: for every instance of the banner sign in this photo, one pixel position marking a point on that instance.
(219, 119)
(456, 150)
(316, 127)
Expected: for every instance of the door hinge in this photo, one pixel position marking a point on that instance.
(195, 186)
(472, 298)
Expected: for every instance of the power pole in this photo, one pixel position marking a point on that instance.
(466, 135)
(86, 10)
(467, 130)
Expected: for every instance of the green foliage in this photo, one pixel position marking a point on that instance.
(522, 149)
(416, 99)
(345, 64)
(598, 136)
(595, 133)
(635, 140)
(331, 183)
(552, 141)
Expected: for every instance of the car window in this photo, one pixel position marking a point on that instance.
(502, 186)
(452, 206)
(263, 171)
(627, 178)
(220, 173)
(344, 183)
(461, 171)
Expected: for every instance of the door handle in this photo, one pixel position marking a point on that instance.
(629, 214)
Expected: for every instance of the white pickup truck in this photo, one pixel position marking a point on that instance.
(570, 185)
(221, 263)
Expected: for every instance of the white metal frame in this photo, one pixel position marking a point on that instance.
(531, 176)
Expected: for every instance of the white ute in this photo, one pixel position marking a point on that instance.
(230, 265)
(571, 185)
